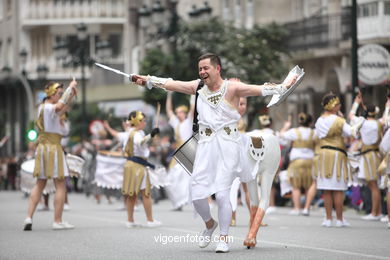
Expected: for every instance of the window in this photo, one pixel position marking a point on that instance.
(8, 8)
(1, 10)
(369, 9)
(387, 7)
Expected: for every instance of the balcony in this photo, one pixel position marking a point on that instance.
(374, 27)
(318, 32)
(41, 12)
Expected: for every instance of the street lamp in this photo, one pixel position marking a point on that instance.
(78, 56)
(201, 13)
(6, 72)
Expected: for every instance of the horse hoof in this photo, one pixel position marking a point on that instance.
(250, 243)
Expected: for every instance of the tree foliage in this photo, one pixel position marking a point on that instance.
(253, 56)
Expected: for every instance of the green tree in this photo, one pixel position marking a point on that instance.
(253, 56)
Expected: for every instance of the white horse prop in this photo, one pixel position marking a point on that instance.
(267, 169)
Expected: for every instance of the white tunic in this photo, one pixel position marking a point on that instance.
(140, 150)
(322, 127)
(299, 153)
(178, 190)
(52, 124)
(369, 136)
(217, 161)
(52, 120)
(185, 127)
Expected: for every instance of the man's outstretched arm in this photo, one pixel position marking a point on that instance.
(186, 87)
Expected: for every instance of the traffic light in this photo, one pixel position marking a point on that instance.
(32, 135)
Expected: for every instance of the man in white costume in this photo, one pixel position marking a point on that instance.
(219, 152)
(181, 122)
(49, 156)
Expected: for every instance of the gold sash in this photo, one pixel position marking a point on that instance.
(300, 143)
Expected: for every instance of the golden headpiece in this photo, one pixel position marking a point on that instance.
(264, 120)
(136, 120)
(332, 103)
(51, 89)
(183, 107)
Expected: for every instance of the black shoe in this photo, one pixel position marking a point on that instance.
(27, 224)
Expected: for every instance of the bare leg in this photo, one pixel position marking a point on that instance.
(375, 198)
(388, 204)
(35, 197)
(272, 197)
(59, 199)
(310, 193)
(328, 203)
(130, 203)
(338, 200)
(296, 196)
(46, 200)
(147, 201)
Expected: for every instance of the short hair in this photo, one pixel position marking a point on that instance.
(214, 59)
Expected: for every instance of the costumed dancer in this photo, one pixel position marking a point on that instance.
(220, 155)
(370, 158)
(49, 158)
(136, 176)
(333, 167)
(301, 161)
(181, 122)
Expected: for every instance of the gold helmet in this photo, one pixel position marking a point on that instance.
(51, 88)
(135, 118)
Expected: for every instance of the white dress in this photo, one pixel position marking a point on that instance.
(222, 153)
(179, 189)
(322, 127)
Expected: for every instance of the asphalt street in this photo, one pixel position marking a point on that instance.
(100, 233)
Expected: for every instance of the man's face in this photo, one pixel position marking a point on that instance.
(208, 72)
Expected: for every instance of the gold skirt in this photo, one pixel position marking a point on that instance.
(300, 173)
(49, 156)
(370, 164)
(133, 175)
(333, 162)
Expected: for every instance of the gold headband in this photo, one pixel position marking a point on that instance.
(135, 121)
(185, 108)
(51, 90)
(264, 120)
(332, 103)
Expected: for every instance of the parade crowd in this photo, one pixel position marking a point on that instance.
(335, 161)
